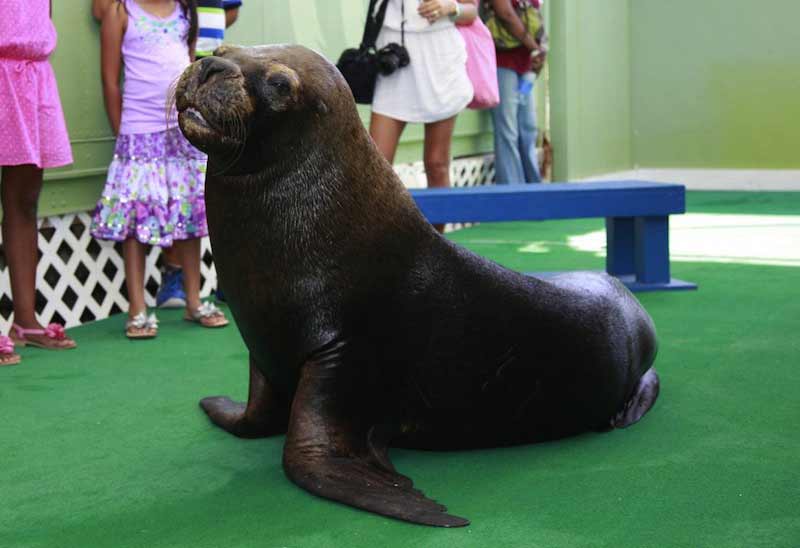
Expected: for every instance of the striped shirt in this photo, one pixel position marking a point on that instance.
(211, 24)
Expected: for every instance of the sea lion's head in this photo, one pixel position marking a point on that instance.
(265, 97)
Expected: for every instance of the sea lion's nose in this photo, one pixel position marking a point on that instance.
(211, 66)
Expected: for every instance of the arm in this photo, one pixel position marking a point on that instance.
(231, 15)
(511, 21)
(111, 33)
(467, 12)
(538, 59)
(432, 10)
(99, 8)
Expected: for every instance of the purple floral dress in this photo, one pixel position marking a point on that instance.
(154, 191)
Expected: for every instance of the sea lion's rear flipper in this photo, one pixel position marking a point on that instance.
(641, 401)
(266, 413)
(330, 454)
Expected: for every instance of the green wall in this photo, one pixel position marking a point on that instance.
(320, 24)
(76, 62)
(633, 83)
(716, 83)
(590, 88)
(649, 83)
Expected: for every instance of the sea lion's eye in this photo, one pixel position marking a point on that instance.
(280, 83)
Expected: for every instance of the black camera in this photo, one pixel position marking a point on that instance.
(392, 57)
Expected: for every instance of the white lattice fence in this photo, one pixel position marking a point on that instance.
(80, 279)
(476, 170)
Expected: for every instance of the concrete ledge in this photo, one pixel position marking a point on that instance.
(754, 180)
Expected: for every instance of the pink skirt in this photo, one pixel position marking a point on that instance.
(32, 127)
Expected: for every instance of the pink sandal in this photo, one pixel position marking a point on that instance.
(56, 337)
(7, 354)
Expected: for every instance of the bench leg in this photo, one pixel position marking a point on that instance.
(620, 244)
(652, 250)
(637, 252)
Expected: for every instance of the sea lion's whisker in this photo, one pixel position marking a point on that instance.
(172, 100)
(235, 128)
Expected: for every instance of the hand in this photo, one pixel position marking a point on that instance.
(433, 10)
(538, 60)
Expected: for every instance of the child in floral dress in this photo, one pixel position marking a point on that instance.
(33, 136)
(213, 17)
(154, 190)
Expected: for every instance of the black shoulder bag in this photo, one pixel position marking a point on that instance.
(360, 66)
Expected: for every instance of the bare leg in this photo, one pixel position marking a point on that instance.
(20, 190)
(188, 252)
(134, 252)
(20, 195)
(437, 155)
(386, 133)
(265, 414)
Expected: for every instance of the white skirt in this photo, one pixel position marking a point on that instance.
(434, 86)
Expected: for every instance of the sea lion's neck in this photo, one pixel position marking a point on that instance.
(331, 180)
(310, 153)
(285, 178)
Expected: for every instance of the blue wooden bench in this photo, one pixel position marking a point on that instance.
(636, 212)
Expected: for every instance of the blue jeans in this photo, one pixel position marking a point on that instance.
(514, 120)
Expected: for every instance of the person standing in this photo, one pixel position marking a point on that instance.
(33, 136)
(514, 119)
(432, 89)
(213, 17)
(154, 193)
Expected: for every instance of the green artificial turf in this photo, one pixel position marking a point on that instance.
(105, 446)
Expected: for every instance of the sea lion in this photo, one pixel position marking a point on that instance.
(364, 326)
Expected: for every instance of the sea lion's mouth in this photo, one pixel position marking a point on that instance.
(214, 106)
(193, 121)
(197, 117)
(202, 132)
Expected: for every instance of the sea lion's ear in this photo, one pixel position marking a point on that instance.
(281, 88)
(225, 48)
(322, 107)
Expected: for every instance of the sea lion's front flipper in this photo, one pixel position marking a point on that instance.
(330, 453)
(266, 413)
